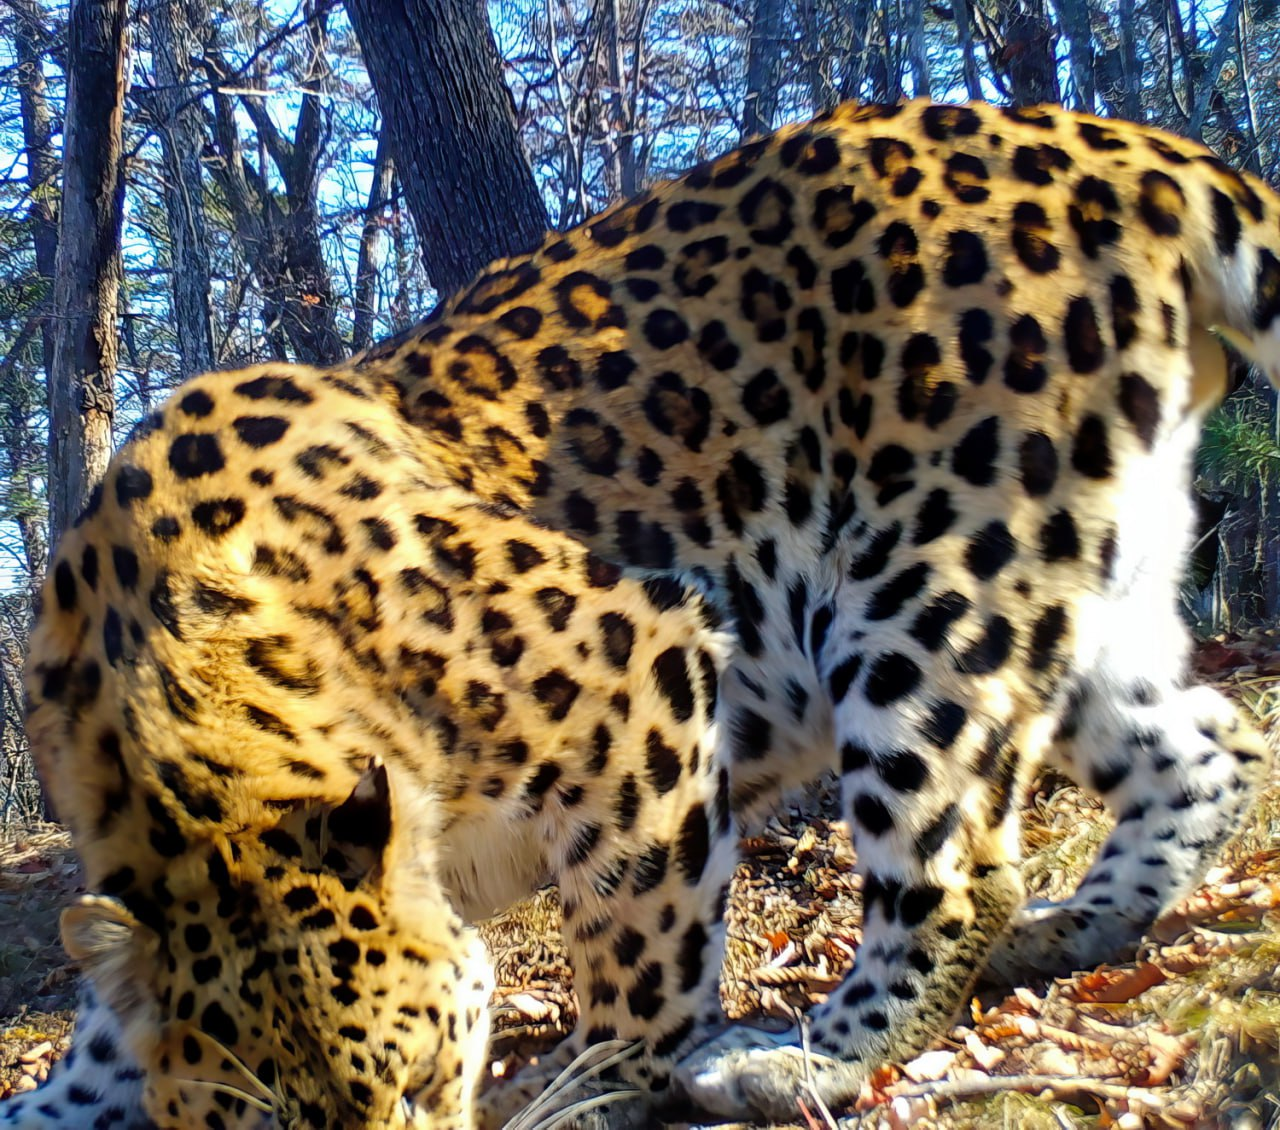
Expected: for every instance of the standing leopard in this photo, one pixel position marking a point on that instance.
(864, 447)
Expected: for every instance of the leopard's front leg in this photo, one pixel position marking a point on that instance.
(643, 862)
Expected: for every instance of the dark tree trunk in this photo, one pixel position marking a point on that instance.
(1209, 80)
(22, 454)
(180, 125)
(1075, 21)
(886, 84)
(964, 36)
(87, 278)
(1021, 48)
(453, 133)
(763, 49)
(1131, 103)
(1238, 598)
(913, 41)
(863, 60)
(1119, 76)
(1269, 551)
(813, 56)
(29, 36)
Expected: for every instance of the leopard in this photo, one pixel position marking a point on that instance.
(864, 448)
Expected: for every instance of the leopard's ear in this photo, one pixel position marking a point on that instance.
(115, 951)
(413, 845)
(95, 927)
(383, 834)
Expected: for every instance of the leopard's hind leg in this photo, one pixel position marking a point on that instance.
(1178, 768)
(931, 769)
(1175, 764)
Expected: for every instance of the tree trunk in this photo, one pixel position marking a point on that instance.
(22, 457)
(23, 460)
(182, 137)
(886, 84)
(763, 48)
(964, 36)
(1253, 145)
(1131, 101)
(1237, 585)
(366, 270)
(813, 55)
(917, 58)
(29, 36)
(402, 305)
(1021, 48)
(453, 133)
(859, 61)
(1268, 552)
(1209, 83)
(1075, 21)
(619, 108)
(88, 273)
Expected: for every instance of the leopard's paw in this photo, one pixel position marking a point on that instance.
(748, 1074)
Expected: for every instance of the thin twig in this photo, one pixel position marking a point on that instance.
(1060, 1086)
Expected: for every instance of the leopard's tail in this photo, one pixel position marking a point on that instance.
(1235, 271)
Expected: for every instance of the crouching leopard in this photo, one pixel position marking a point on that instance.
(864, 447)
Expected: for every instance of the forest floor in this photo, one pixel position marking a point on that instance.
(1187, 1035)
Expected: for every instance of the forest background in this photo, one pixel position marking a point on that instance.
(233, 181)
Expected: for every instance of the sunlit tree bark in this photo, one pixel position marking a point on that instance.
(453, 133)
(88, 272)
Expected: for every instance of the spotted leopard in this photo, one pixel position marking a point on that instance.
(337, 659)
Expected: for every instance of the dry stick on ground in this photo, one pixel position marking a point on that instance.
(1064, 1087)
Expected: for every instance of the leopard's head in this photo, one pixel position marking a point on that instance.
(311, 974)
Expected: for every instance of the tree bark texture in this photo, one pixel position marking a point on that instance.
(1238, 595)
(1209, 80)
(964, 36)
(175, 26)
(30, 36)
(366, 269)
(917, 56)
(620, 108)
(1118, 69)
(89, 268)
(763, 48)
(865, 56)
(1022, 54)
(811, 59)
(1075, 22)
(453, 133)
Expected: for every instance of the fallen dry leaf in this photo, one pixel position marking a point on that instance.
(929, 1066)
(1116, 986)
(984, 1055)
(777, 939)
